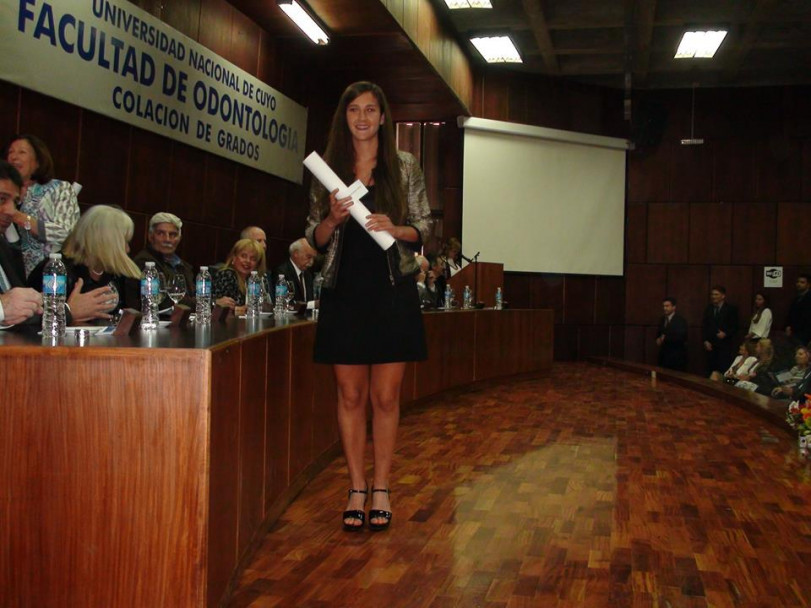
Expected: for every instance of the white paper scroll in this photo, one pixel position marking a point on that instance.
(356, 190)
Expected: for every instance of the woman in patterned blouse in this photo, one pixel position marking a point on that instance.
(229, 283)
(49, 209)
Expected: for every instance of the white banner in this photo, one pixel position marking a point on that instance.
(111, 57)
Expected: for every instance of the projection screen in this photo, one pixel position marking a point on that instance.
(543, 200)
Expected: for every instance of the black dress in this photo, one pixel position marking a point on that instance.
(365, 318)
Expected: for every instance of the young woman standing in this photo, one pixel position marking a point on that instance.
(370, 322)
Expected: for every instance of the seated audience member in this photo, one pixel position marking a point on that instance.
(803, 388)
(435, 281)
(451, 257)
(163, 237)
(22, 306)
(718, 329)
(96, 255)
(48, 209)
(229, 284)
(297, 270)
(18, 304)
(672, 337)
(761, 322)
(741, 366)
(798, 323)
(761, 376)
(255, 233)
(427, 298)
(795, 375)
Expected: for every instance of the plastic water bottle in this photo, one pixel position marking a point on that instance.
(202, 292)
(280, 303)
(467, 300)
(54, 290)
(253, 296)
(150, 297)
(499, 299)
(318, 282)
(448, 297)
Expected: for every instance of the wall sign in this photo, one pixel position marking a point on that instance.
(772, 276)
(113, 58)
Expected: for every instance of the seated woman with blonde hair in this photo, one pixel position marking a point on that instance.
(95, 256)
(229, 284)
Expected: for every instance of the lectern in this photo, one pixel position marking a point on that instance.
(484, 277)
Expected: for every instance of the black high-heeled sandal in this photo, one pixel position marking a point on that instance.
(358, 514)
(379, 514)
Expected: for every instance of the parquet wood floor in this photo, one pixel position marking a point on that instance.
(586, 487)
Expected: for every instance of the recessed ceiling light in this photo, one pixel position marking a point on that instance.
(497, 49)
(700, 45)
(454, 4)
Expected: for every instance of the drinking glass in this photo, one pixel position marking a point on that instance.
(112, 301)
(291, 294)
(176, 288)
(266, 292)
(162, 285)
(113, 298)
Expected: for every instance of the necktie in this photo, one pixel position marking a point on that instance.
(303, 288)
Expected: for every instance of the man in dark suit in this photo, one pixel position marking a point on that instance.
(798, 323)
(672, 337)
(719, 328)
(296, 269)
(18, 304)
(435, 280)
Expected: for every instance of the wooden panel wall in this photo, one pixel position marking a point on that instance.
(695, 216)
(717, 213)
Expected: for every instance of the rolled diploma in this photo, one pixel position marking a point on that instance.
(356, 190)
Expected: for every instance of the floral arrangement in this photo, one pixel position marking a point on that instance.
(798, 417)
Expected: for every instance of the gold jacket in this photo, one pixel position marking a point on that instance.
(402, 262)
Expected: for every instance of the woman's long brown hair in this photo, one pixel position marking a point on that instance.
(390, 197)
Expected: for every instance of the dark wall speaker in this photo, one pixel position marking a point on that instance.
(648, 124)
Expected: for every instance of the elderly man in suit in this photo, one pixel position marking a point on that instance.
(296, 269)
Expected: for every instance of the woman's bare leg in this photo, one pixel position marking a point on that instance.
(384, 391)
(353, 394)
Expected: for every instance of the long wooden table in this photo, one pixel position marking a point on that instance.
(143, 471)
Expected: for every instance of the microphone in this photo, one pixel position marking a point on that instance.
(467, 259)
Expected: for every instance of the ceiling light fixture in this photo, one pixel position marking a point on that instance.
(700, 45)
(454, 4)
(305, 22)
(497, 49)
